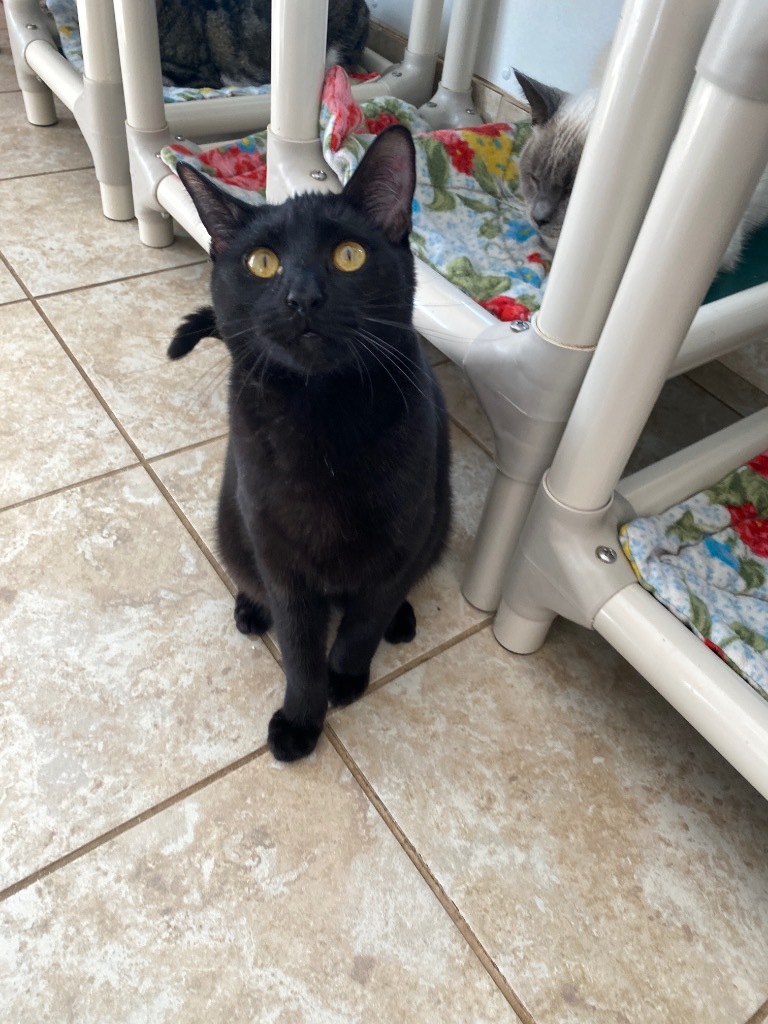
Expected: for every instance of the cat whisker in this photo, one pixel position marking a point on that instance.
(372, 353)
(396, 358)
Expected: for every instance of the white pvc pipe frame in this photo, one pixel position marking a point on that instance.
(100, 122)
(651, 33)
(690, 220)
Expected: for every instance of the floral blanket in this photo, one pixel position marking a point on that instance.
(706, 560)
(469, 223)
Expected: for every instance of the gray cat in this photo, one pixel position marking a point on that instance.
(227, 42)
(550, 159)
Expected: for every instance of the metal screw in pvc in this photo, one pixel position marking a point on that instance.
(605, 554)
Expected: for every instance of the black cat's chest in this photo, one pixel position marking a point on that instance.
(320, 484)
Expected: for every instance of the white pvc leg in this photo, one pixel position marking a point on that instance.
(147, 131)
(413, 79)
(636, 117)
(25, 24)
(504, 512)
(102, 112)
(698, 202)
(295, 160)
(452, 105)
(646, 83)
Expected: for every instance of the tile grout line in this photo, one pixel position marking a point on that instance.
(437, 889)
(125, 826)
(419, 659)
(45, 174)
(718, 398)
(23, 502)
(94, 284)
(468, 433)
(84, 481)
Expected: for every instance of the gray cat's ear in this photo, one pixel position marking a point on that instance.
(223, 215)
(384, 182)
(545, 100)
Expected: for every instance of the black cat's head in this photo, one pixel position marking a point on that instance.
(314, 283)
(551, 157)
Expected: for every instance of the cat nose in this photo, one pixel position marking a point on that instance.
(541, 215)
(305, 297)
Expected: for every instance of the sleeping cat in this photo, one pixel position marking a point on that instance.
(227, 42)
(336, 484)
(550, 159)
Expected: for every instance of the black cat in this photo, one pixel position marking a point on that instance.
(336, 486)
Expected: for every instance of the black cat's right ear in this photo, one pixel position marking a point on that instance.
(223, 215)
(545, 100)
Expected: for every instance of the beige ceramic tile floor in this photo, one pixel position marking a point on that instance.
(482, 838)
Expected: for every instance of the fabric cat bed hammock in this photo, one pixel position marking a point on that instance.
(64, 13)
(466, 195)
(706, 559)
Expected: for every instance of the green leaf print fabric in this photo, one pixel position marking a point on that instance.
(706, 559)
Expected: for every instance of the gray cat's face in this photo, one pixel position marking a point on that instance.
(549, 162)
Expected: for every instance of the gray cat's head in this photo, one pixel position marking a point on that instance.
(550, 159)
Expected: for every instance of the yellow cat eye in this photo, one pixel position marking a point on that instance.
(263, 263)
(348, 256)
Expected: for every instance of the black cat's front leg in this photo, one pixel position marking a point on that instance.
(302, 628)
(365, 622)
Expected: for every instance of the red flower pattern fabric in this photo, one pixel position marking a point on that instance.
(506, 308)
(751, 528)
(760, 464)
(376, 125)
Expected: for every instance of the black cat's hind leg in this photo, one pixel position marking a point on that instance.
(364, 624)
(251, 616)
(402, 628)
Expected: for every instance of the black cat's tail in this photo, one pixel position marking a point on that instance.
(193, 328)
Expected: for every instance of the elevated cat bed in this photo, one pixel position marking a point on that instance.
(706, 560)
(64, 13)
(469, 222)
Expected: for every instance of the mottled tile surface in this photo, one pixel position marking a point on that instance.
(31, 149)
(10, 290)
(53, 431)
(122, 676)
(64, 240)
(609, 860)
(729, 387)
(751, 363)
(119, 334)
(269, 896)
(8, 80)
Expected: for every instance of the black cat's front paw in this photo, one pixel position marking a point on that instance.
(289, 742)
(250, 616)
(343, 688)
(402, 628)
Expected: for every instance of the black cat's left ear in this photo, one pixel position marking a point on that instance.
(222, 214)
(384, 182)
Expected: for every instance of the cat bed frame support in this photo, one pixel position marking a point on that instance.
(568, 561)
(95, 98)
(291, 108)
